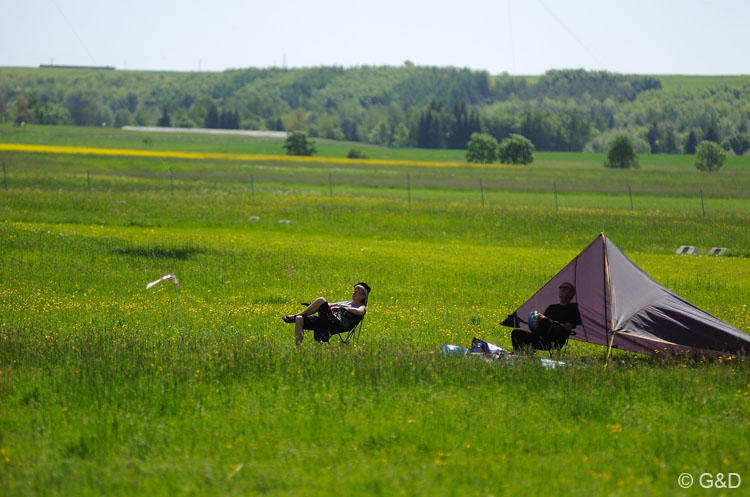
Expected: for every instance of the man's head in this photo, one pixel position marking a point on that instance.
(361, 292)
(566, 292)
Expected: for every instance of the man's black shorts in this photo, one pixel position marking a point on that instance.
(324, 324)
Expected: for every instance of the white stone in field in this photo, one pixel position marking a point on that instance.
(686, 250)
(253, 218)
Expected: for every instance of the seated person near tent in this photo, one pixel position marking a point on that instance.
(555, 325)
(331, 319)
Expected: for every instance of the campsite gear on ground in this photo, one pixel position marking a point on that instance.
(481, 347)
(454, 350)
(551, 363)
(622, 307)
(492, 352)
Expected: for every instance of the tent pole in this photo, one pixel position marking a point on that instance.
(609, 349)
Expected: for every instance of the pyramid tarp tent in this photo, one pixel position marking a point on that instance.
(623, 307)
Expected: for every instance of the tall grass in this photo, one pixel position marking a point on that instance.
(102, 392)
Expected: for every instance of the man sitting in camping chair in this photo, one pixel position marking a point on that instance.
(331, 319)
(553, 327)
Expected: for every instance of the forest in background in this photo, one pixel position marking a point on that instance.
(416, 106)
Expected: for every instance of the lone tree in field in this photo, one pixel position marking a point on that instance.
(709, 156)
(621, 154)
(516, 149)
(299, 144)
(482, 148)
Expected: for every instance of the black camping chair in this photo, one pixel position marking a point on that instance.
(352, 336)
(346, 337)
(555, 348)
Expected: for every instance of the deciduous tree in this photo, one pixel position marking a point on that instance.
(621, 154)
(709, 156)
(298, 143)
(482, 148)
(516, 149)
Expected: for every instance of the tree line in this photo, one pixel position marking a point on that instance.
(431, 107)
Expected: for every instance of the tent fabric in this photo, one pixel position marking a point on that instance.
(622, 305)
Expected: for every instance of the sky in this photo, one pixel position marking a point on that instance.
(519, 37)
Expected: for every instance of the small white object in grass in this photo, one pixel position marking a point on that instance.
(285, 221)
(686, 250)
(163, 278)
(253, 218)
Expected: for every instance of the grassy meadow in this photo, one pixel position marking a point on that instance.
(104, 392)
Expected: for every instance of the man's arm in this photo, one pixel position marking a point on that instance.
(568, 326)
(359, 311)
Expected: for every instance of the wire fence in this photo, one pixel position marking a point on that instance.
(406, 187)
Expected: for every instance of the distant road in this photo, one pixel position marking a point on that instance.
(207, 131)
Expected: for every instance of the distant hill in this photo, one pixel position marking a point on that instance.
(433, 107)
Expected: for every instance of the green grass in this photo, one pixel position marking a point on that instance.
(116, 138)
(664, 182)
(103, 393)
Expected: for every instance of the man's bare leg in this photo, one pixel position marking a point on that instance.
(313, 307)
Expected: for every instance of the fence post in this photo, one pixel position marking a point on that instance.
(330, 187)
(703, 205)
(252, 187)
(171, 183)
(630, 192)
(5, 178)
(481, 190)
(88, 181)
(557, 207)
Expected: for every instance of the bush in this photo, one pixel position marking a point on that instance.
(709, 156)
(482, 149)
(516, 149)
(621, 154)
(299, 144)
(356, 154)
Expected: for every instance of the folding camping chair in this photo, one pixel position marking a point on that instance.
(346, 337)
(514, 320)
(557, 351)
(352, 336)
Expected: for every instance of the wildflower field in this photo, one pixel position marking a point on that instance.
(104, 391)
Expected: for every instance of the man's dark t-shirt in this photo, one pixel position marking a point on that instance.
(564, 313)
